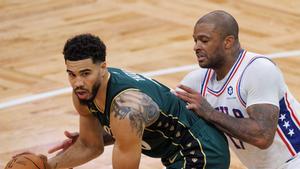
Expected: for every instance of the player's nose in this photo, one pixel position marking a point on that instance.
(198, 46)
(78, 82)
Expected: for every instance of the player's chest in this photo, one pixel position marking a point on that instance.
(227, 99)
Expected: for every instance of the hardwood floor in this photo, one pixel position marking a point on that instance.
(141, 36)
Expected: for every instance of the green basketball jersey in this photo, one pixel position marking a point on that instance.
(176, 131)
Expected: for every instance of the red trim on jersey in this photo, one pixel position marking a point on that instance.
(206, 82)
(291, 150)
(234, 71)
(295, 119)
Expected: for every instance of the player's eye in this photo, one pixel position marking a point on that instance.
(204, 40)
(70, 74)
(85, 74)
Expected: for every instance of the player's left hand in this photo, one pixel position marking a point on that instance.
(71, 138)
(194, 101)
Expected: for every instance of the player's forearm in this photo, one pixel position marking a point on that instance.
(245, 129)
(125, 159)
(75, 155)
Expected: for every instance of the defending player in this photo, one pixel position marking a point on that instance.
(244, 95)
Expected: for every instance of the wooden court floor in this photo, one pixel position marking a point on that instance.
(141, 36)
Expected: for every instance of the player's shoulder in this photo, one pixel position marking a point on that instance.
(137, 104)
(134, 97)
(260, 60)
(261, 67)
(260, 63)
(197, 73)
(194, 78)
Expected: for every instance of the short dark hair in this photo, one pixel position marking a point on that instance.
(85, 46)
(224, 22)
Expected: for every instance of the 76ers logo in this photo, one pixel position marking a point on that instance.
(230, 90)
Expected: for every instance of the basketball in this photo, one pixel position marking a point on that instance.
(26, 161)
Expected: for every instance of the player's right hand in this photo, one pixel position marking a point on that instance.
(71, 138)
(195, 101)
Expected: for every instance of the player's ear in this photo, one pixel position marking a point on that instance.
(103, 68)
(103, 65)
(229, 41)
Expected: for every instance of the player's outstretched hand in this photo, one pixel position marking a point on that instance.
(194, 101)
(71, 138)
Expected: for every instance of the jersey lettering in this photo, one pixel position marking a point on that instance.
(107, 129)
(134, 76)
(145, 145)
(237, 114)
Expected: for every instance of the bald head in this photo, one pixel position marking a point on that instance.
(224, 23)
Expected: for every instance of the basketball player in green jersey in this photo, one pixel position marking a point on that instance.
(141, 114)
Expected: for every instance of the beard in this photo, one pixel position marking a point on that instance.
(215, 61)
(94, 92)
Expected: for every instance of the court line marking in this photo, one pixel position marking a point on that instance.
(39, 96)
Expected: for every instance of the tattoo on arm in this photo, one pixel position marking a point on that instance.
(260, 126)
(138, 107)
(267, 118)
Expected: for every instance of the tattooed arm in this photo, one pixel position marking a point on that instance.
(261, 87)
(131, 112)
(258, 130)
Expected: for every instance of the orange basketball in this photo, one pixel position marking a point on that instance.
(26, 161)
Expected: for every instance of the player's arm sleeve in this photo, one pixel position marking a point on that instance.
(194, 79)
(262, 83)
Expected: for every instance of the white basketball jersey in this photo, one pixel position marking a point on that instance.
(226, 96)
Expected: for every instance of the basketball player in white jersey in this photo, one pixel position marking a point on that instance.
(244, 95)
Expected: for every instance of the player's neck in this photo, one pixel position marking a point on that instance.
(101, 95)
(227, 65)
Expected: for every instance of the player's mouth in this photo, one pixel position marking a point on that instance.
(82, 94)
(201, 57)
